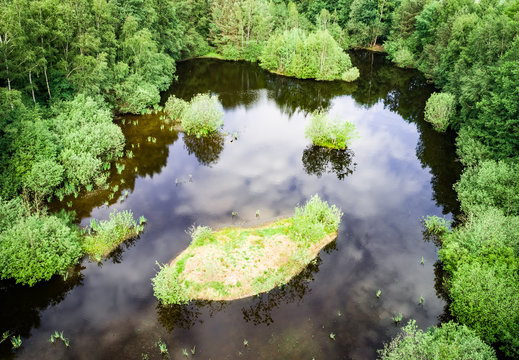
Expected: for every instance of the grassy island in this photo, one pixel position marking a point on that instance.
(233, 263)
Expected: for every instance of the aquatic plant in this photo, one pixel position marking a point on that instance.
(16, 341)
(437, 225)
(329, 132)
(104, 236)
(397, 318)
(59, 336)
(379, 292)
(162, 347)
(332, 336)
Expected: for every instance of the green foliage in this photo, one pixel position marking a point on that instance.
(11, 212)
(490, 184)
(37, 247)
(498, 114)
(450, 341)
(316, 56)
(314, 220)
(439, 110)
(203, 116)
(437, 225)
(174, 108)
(106, 235)
(484, 297)
(201, 235)
(166, 287)
(325, 131)
(488, 236)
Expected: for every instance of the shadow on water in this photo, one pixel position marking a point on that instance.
(22, 305)
(207, 149)
(260, 311)
(319, 160)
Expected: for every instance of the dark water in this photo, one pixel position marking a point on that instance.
(398, 171)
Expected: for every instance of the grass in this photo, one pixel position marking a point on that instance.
(233, 262)
(103, 237)
(330, 132)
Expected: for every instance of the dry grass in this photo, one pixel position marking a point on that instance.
(242, 262)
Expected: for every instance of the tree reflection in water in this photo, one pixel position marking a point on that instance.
(318, 160)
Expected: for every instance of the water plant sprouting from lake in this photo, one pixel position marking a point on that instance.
(102, 237)
(233, 262)
(326, 131)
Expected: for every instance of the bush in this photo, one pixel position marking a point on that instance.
(11, 212)
(316, 56)
(38, 247)
(203, 116)
(230, 52)
(351, 74)
(450, 341)
(201, 235)
(486, 237)
(175, 107)
(491, 184)
(332, 133)
(484, 297)
(105, 236)
(470, 150)
(314, 220)
(166, 286)
(439, 109)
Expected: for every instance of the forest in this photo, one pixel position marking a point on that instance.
(67, 67)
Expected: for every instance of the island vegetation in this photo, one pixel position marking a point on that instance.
(233, 263)
(329, 132)
(67, 67)
(201, 116)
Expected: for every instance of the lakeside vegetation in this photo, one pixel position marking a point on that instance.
(36, 245)
(62, 79)
(232, 263)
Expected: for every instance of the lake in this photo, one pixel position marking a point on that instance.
(397, 171)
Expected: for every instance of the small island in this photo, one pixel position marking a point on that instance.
(233, 263)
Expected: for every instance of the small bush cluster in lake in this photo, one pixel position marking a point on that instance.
(329, 132)
(202, 116)
(439, 110)
(104, 236)
(448, 342)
